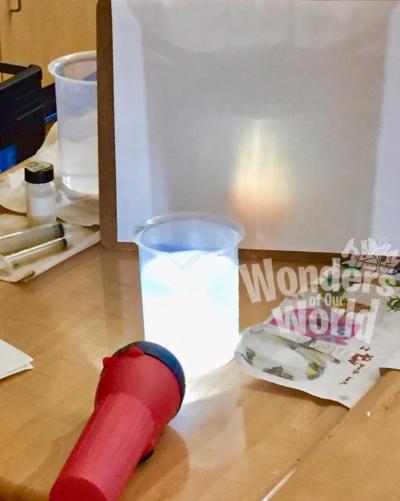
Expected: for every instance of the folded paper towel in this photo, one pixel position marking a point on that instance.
(81, 214)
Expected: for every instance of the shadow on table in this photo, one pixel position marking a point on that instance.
(164, 475)
(12, 492)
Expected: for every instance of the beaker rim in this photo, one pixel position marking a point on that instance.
(62, 61)
(141, 229)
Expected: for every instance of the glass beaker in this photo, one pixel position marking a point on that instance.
(76, 93)
(190, 287)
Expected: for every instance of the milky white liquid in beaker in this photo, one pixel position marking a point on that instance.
(80, 165)
(191, 306)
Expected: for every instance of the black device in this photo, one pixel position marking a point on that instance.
(22, 113)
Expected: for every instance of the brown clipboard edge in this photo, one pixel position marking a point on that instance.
(107, 163)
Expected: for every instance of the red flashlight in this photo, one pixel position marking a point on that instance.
(141, 389)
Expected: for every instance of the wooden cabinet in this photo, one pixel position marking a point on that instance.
(45, 29)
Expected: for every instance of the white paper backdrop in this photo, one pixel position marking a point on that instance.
(283, 114)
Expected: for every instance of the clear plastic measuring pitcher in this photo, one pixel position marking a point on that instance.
(76, 93)
(190, 287)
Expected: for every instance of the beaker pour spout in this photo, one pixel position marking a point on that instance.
(185, 259)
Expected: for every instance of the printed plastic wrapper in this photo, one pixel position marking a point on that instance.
(329, 344)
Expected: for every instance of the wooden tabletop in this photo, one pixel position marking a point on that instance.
(234, 439)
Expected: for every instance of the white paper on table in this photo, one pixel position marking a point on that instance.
(12, 360)
(283, 115)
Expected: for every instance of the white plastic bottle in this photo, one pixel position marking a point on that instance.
(40, 193)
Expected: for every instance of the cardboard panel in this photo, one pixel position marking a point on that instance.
(108, 206)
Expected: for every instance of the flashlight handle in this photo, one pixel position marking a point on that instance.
(117, 435)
